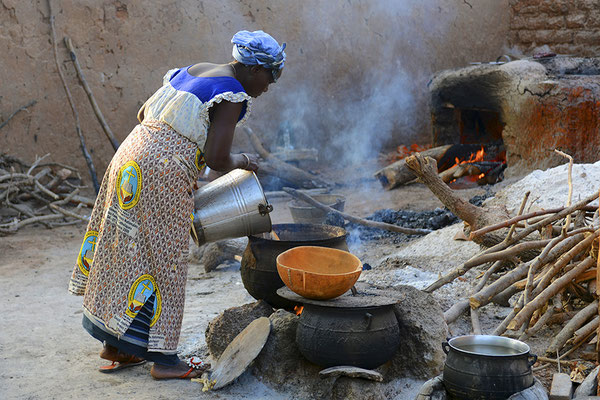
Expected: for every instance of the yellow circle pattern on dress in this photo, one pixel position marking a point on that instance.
(86, 253)
(129, 185)
(139, 293)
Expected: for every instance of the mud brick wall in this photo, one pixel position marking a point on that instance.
(565, 26)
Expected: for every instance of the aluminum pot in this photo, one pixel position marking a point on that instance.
(486, 367)
(231, 206)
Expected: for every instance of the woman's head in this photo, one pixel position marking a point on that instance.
(263, 59)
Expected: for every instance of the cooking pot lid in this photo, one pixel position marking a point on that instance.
(367, 296)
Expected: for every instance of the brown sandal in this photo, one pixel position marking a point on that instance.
(116, 365)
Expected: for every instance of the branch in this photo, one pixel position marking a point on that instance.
(31, 103)
(86, 154)
(88, 91)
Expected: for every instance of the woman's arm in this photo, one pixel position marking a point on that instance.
(217, 149)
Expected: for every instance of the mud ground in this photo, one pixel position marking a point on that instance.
(46, 354)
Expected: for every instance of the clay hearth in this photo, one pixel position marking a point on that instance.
(532, 106)
(281, 366)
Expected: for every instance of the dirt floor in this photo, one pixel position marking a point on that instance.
(46, 354)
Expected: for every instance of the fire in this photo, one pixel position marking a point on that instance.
(298, 309)
(475, 157)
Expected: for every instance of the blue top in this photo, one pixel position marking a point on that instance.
(206, 88)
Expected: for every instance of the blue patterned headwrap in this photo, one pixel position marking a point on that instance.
(258, 48)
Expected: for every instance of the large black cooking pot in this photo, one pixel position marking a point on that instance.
(364, 337)
(485, 367)
(259, 266)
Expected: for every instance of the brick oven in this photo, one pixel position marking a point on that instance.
(529, 107)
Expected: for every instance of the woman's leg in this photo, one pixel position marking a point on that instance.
(112, 353)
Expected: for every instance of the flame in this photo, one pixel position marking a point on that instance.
(474, 157)
(298, 309)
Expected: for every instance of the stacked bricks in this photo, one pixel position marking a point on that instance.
(565, 26)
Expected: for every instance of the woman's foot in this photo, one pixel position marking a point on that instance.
(183, 370)
(111, 353)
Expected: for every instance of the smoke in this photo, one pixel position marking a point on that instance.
(362, 85)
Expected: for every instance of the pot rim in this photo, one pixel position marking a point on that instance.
(341, 233)
(500, 341)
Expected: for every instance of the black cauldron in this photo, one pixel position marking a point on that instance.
(259, 266)
(485, 367)
(364, 337)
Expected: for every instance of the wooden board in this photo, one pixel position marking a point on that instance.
(241, 352)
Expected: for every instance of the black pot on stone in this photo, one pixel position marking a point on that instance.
(259, 266)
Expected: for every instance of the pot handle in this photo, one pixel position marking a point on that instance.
(533, 359)
(368, 317)
(446, 347)
(264, 209)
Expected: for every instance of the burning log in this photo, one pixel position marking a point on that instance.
(399, 173)
(478, 169)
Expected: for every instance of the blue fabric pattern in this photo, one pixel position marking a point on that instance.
(258, 48)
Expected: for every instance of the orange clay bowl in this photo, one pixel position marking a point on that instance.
(318, 273)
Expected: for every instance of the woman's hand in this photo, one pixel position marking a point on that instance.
(249, 162)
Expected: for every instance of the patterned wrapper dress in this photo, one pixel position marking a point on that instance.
(132, 265)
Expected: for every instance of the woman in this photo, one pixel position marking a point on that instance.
(132, 266)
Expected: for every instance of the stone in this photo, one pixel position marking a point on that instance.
(223, 329)
(423, 330)
(561, 388)
(535, 392)
(433, 389)
(588, 386)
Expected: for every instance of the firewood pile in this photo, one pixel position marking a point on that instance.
(45, 193)
(547, 260)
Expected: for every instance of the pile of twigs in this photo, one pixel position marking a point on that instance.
(561, 272)
(44, 193)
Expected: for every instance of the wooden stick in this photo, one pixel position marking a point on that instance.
(86, 154)
(521, 208)
(398, 173)
(506, 253)
(351, 218)
(547, 293)
(513, 220)
(461, 306)
(549, 254)
(475, 321)
(562, 261)
(598, 292)
(538, 225)
(557, 306)
(473, 262)
(88, 91)
(570, 182)
(25, 107)
(559, 340)
(504, 324)
(586, 330)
